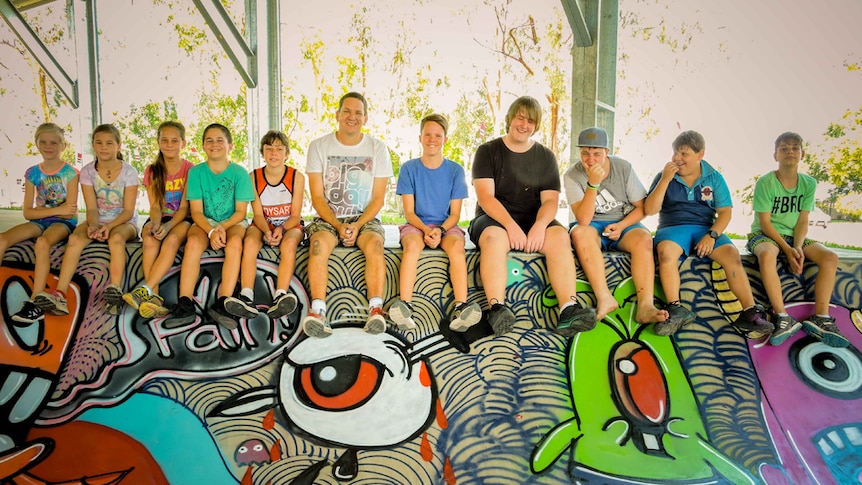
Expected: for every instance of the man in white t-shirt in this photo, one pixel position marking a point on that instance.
(348, 172)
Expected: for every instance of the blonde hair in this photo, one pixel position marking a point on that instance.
(49, 128)
(531, 107)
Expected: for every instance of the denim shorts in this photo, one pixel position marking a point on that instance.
(687, 236)
(609, 244)
(50, 221)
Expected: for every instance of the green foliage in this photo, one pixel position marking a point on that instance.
(139, 131)
(230, 111)
(840, 163)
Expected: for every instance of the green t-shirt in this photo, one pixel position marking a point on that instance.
(219, 192)
(784, 204)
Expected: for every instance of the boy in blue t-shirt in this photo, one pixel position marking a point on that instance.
(432, 189)
(694, 207)
(782, 200)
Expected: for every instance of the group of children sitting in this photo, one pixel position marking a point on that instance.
(205, 206)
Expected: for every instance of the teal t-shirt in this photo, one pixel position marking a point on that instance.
(784, 204)
(219, 192)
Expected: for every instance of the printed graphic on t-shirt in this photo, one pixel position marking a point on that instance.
(787, 204)
(606, 202)
(348, 182)
(220, 204)
(706, 193)
(174, 194)
(53, 192)
(275, 202)
(109, 199)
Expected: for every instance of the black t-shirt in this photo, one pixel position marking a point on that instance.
(519, 178)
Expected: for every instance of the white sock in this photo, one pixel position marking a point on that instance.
(783, 314)
(278, 293)
(248, 293)
(567, 305)
(318, 306)
(375, 302)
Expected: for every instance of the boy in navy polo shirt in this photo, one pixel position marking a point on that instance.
(694, 207)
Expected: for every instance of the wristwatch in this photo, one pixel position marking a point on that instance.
(714, 234)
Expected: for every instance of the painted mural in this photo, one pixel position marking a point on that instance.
(100, 399)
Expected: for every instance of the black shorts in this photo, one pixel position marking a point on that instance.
(524, 221)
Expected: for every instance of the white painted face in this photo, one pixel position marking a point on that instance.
(356, 390)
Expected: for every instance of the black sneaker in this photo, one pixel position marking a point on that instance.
(753, 319)
(240, 306)
(183, 313)
(501, 318)
(219, 313)
(283, 306)
(785, 327)
(678, 317)
(574, 319)
(825, 330)
(29, 313)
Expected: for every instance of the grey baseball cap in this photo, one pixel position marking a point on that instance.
(593, 137)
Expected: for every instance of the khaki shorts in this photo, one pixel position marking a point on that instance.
(319, 224)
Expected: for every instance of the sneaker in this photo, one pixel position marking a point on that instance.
(785, 327)
(824, 330)
(283, 306)
(53, 303)
(183, 313)
(376, 322)
(574, 319)
(113, 309)
(136, 297)
(501, 318)
(218, 312)
(753, 319)
(678, 317)
(315, 325)
(466, 315)
(401, 313)
(152, 308)
(114, 295)
(29, 313)
(240, 306)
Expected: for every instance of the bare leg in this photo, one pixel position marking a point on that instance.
(413, 245)
(638, 242)
(560, 261)
(53, 235)
(16, 234)
(728, 257)
(167, 254)
(117, 240)
(588, 247)
(232, 260)
(196, 244)
(827, 268)
(767, 260)
(454, 247)
(251, 247)
(150, 247)
(493, 248)
(668, 268)
(322, 244)
(371, 245)
(78, 240)
(287, 260)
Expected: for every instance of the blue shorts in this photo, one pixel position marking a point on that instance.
(687, 236)
(50, 221)
(609, 244)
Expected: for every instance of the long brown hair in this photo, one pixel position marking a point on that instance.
(158, 169)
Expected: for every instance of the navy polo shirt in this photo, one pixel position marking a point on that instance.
(696, 204)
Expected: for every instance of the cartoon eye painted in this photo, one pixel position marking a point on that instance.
(834, 372)
(342, 392)
(340, 383)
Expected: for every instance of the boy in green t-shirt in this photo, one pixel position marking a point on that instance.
(782, 200)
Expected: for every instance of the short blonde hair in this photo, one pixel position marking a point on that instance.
(49, 128)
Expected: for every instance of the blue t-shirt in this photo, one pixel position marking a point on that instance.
(219, 192)
(51, 188)
(433, 189)
(693, 205)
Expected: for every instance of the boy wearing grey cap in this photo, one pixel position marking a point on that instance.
(694, 207)
(607, 198)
